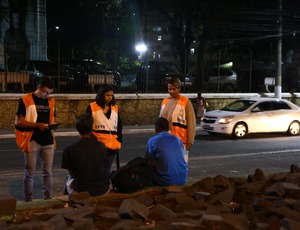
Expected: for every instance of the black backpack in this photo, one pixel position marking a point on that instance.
(132, 177)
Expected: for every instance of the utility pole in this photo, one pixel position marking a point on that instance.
(278, 78)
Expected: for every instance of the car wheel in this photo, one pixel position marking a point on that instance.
(294, 128)
(240, 130)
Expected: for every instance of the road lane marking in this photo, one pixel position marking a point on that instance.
(244, 154)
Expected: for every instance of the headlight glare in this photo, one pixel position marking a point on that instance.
(225, 120)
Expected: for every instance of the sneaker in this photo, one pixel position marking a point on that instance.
(47, 198)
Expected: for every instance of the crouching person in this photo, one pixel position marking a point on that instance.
(87, 161)
(165, 153)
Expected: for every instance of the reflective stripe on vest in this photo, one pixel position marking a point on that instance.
(105, 130)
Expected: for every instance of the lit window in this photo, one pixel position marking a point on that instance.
(192, 51)
(159, 38)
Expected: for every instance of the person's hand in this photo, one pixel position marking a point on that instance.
(42, 126)
(188, 146)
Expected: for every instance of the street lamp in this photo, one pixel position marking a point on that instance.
(141, 48)
(53, 27)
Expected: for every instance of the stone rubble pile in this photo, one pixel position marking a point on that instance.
(258, 202)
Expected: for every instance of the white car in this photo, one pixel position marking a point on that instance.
(254, 115)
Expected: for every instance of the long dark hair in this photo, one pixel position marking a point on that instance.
(100, 98)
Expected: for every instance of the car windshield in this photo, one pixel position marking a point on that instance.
(238, 106)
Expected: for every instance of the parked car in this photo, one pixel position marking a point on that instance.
(154, 75)
(218, 80)
(88, 75)
(254, 115)
(40, 68)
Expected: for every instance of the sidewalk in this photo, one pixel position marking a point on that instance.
(127, 129)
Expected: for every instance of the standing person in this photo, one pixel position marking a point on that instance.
(36, 111)
(86, 161)
(179, 111)
(201, 105)
(165, 153)
(107, 126)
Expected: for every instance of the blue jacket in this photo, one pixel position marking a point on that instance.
(166, 153)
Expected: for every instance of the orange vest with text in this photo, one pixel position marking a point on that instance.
(23, 135)
(105, 130)
(179, 123)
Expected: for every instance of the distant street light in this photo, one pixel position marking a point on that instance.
(141, 48)
(53, 27)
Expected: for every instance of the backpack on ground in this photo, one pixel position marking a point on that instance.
(132, 177)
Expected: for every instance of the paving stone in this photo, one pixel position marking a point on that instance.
(291, 224)
(259, 175)
(145, 199)
(110, 215)
(213, 222)
(222, 182)
(83, 224)
(82, 212)
(132, 209)
(56, 223)
(187, 226)
(205, 185)
(126, 224)
(160, 212)
(275, 189)
(190, 204)
(82, 198)
(235, 221)
(202, 195)
(225, 196)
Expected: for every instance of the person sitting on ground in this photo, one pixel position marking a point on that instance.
(87, 161)
(165, 153)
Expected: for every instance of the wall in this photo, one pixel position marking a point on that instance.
(135, 109)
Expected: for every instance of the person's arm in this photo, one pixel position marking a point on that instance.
(88, 109)
(22, 123)
(191, 124)
(120, 129)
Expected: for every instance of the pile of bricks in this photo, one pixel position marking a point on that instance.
(258, 202)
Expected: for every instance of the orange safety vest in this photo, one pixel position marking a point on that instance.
(23, 135)
(179, 123)
(105, 130)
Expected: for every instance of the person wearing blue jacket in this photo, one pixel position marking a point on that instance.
(165, 153)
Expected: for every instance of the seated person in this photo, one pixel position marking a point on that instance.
(87, 161)
(165, 153)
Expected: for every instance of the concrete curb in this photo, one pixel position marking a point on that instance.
(75, 133)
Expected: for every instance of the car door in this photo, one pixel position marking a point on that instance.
(262, 118)
(281, 116)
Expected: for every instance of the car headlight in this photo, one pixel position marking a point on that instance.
(225, 120)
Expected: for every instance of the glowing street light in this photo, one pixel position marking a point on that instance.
(141, 48)
(53, 27)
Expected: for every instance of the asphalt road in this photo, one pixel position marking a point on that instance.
(209, 156)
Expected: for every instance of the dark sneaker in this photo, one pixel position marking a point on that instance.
(47, 198)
